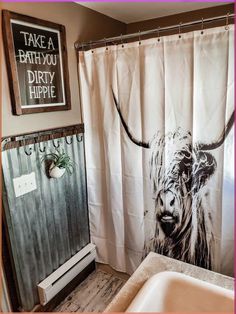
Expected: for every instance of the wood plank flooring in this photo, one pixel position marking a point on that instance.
(93, 294)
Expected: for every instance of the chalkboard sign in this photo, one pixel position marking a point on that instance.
(37, 64)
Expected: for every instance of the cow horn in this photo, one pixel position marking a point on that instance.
(220, 141)
(134, 140)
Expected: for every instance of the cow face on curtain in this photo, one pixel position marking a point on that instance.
(179, 173)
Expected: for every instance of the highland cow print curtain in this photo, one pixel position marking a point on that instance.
(159, 149)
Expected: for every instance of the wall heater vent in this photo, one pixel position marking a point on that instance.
(55, 282)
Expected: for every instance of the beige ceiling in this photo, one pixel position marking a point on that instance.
(129, 12)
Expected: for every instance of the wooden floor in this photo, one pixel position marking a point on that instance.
(93, 294)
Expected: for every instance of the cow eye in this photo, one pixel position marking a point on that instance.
(172, 202)
(161, 201)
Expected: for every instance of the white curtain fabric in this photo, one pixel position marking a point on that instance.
(172, 86)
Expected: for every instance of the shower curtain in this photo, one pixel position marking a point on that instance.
(157, 179)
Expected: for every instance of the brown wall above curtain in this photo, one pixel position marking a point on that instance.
(182, 17)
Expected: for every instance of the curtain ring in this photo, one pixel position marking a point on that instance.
(79, 137)
(202, 26)
(139, 37)
(158, 33)
(227, 21)
(180, 24)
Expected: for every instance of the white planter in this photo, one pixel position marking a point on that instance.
(56, 172)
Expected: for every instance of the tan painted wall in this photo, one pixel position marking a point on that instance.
(81, 24)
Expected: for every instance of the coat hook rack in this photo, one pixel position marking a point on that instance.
(38, 140)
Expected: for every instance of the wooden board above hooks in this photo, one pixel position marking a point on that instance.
(10, 142)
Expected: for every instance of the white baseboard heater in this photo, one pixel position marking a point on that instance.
(55, 282)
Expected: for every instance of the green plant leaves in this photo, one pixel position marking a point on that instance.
(60, 160)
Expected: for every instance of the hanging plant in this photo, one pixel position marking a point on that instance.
(60, 163)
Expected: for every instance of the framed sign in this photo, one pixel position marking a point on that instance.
(37, 64)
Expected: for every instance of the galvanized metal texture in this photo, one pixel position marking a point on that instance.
(49, 225)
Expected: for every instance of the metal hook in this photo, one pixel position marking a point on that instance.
(90, 46)
(40, 148)
(28, 153)
(105, 41)
(158, 33)
(121, 40)
(202, 26)
(227, 22)
(180, 29)
(30, 149)
(139, 37)
(69, 143)
(56, 145)
(79, 137)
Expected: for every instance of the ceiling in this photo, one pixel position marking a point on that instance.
(129, 12)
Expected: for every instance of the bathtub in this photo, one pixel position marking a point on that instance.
(175, 292)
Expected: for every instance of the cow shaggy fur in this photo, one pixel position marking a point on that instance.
(179, 173)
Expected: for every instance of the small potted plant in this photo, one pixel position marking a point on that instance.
(60, 162)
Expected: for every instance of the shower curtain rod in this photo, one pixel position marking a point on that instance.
(111, 40)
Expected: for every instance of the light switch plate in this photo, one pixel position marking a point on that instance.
(24, 184)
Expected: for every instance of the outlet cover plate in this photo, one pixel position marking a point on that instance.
(24, 184)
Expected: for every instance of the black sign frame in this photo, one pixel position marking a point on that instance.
(48, 90)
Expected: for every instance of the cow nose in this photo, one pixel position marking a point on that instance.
(164, 201)
(167, 203)
(170, 204)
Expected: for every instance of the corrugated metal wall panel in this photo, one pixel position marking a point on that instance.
(46, 226)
